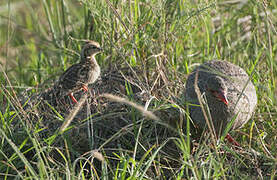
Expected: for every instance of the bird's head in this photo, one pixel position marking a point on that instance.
(90, 49)
(216, 88)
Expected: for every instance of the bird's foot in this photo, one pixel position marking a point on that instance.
(85, 88)
(232, 141)
(73, 98)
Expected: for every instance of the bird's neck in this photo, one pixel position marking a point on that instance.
(89, 59)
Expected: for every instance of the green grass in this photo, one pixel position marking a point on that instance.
(164, 40)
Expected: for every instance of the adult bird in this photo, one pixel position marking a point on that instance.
(80, 75)
(227, 91)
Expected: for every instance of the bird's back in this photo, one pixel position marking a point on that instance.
(241, 94)
(75, 77)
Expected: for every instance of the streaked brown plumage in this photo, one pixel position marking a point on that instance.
(78, 76)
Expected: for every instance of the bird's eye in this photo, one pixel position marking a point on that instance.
(94, 47)
(209, 89)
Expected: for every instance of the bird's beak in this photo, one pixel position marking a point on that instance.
(100, 49)
(221, 96)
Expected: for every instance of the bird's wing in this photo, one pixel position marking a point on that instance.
(73, 78)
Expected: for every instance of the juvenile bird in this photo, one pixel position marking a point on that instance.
(80, 75)
(228, 92)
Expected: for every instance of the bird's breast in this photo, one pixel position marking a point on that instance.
(94, 74)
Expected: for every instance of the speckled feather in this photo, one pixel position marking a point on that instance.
(240, 103)
(79, 75)
(75, 77)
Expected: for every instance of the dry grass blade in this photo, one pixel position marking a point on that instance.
(210, 125)
(138, 107)
(117, 15)
(13, 95)
(73, 113)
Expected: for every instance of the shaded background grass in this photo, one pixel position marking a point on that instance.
(40, 39)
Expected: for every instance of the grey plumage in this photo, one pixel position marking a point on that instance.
(233, 82)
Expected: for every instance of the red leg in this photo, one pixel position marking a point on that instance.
(231, 140)
(85, 88)
(73, 98)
